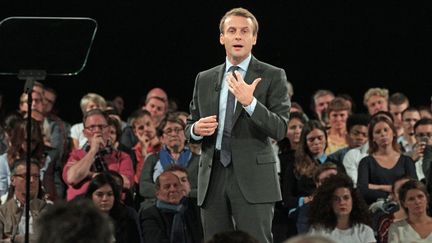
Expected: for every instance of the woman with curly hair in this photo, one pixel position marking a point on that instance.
(340, 213)
(417, 227)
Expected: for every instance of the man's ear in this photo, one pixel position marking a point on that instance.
(12, 179)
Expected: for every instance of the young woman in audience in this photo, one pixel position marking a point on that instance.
(385, 163)
(339, 212)
(105, 194)
(417, 227)
(299, 183)
(386, 220)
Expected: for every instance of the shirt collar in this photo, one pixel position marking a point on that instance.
(243, 65)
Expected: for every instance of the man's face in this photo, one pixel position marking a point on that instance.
(396, 111)
(96, 126)
(156, 108)
(238, 38)
(37, 103)
(424, 133)
(184, 182)
(321, 103)
(376, 103)
(49, 101)
(409, 119)
(170, 188)
(357, 136)
(144, 126)
(173, 136)
(18, 180)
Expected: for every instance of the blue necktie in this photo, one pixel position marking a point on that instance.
(225, 154)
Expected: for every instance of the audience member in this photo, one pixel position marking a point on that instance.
(338, 111)
(338, 211)
(173, 218)
(320, 102)
(409, 117)
(398, 102)
(376, 99)
(417, 227)
(422, 150)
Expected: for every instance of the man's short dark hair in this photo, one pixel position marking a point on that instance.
(74, 222)
(398, 98)
(94, 112)
(176, 167)
(423, 121)
(357, 120)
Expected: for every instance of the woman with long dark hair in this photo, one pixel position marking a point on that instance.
(339, 212)
(105, 193)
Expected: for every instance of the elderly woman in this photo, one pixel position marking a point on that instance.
(340, 213)
(418, 226)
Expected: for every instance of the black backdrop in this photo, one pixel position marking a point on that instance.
(345, 46)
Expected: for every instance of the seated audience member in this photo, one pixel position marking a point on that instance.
(232, 237)
(182, 174)
(323, 172)
(338, 111)
(95, 157)
(299, 184)
(112, 111)
(320, 102)
(340, 213)
(356, 126)
(384, 164)
(376, 99)
(350, 101)
(7, 126)
(119, 103)
(88, 102)
(105, 194)
(283, 226)
(417, 227)
(173, 218)
(398, 102)
(157, 104)
(425, 112)
(194, 147)
(407, 141)
(74, 222)
(174, 151)
(12, 213)
(422, 150)
(353, 156)
(385, 219)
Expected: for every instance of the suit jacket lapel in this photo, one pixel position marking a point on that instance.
(214, 96)
(251, 74)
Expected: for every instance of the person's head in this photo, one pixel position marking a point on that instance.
(338, 111)
(95, 124)
(414, 197)
(17, 141)
(119, 103)
(18, 178)
(296, 107)
(320, 102)
(409, 117)
(104, 191)
(323, 172)
(171, 133)
(157, 107)
(37, 105)
(350, 101)
(168, 188)
(50, 97)
(337, 199)
(382, 133)
(396, 185)
(423, 130)
(157, 92)
(142, 124)
(398, 102)
(290, 90)
(425, 112)
(357, 128)
(295, 126)
(92, 101)
(309, 239)
(313, 138)
(114, 129)
(237, 236)
(182, 174)
(183, 115)
(376, 99)
(238, 33)
(74, 222)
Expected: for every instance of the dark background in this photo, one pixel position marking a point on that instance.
(344, 46)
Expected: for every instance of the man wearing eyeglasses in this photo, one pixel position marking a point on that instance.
(422, 150)
(98, 155)
(12, 213)
(174, 151)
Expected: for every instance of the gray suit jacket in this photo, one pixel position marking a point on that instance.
(253, 160)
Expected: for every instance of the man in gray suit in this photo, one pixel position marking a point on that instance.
(238, 194)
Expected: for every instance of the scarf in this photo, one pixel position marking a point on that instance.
(178, 229)
(167, 160)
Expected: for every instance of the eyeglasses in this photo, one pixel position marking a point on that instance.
(176, 130)
(93, 128)
(32, 176)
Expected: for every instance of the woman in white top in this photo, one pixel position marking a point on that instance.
(340, 213)
(418, 226)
